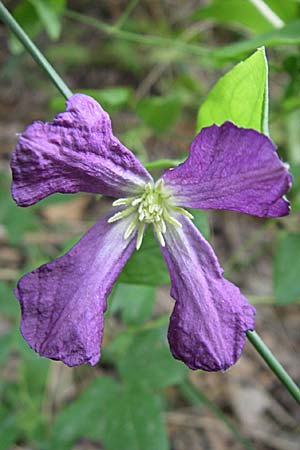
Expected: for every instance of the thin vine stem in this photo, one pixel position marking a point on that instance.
(34, 51)
(145, 39)
(274, 364)
(162, 163)
(8, 19)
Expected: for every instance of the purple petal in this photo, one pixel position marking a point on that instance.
(77, 152)
(210, 317)
(231, 168)
(63, 302)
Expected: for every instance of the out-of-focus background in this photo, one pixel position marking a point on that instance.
(151, 65)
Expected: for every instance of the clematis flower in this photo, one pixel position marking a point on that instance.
(63, 302)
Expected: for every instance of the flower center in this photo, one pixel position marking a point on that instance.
(152, 206)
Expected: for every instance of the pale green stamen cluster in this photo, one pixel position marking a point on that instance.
(152, 206)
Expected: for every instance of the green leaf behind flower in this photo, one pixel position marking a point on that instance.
(239, 96)
(146, 266)
(135, 302)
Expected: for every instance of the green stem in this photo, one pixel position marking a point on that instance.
(34, 51)
(146, 39)
(128, 10)
(274, 364)
(8, 19)
(162, 163)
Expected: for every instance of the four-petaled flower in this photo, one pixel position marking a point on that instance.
(63, 302)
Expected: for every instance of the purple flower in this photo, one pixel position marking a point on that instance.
(63, 302)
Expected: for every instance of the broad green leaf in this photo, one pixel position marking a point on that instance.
(86, 415)
(245, 14)
(286, 269)
(239, 96)
(146, 266)
(135, 302)
(159, 113)
(287, 35)
(134, 422)
(148, 362)
(121, 417)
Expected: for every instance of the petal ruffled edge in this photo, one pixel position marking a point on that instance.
(77, 152)
(231, 168)
(63, 302)
(210, 318)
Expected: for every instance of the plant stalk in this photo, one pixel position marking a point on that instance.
(8, 19)
(274, 364)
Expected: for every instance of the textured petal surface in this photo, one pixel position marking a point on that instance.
(63, 301)
(77, 152)
(231, 168)
(210, 317)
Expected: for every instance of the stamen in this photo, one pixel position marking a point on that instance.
(131, 228)
(136, 201)
(171, 219)
(159, 184)
(122, 201)
(140, 235)
(182, 211)
(150, 206)
(121, 214)
(159, 235)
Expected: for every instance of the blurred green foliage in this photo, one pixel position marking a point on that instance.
(164, 72)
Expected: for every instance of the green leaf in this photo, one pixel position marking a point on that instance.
(135, 422)
(286, 269)
(26, 16)
(146, 266)
(120, 416)
(148, 362)
(86, 415)
(32, 15)
(239, 96)
(287, 35)
(134, 301)
(159, 113)
(49, 13)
